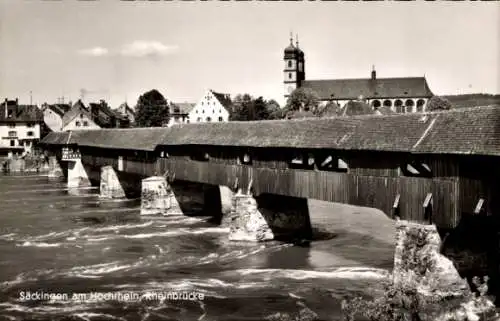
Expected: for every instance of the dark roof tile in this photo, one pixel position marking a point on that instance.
(224, 99)
(462, 131)
(20, 113)
(368, 88)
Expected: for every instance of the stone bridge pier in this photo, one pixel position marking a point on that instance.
(115, 184)
(55, 169)
(249, 217)
(164, 196)
(266, 217)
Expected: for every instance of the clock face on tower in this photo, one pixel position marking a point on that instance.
(290, 89)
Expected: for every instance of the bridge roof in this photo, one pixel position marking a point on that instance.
(145, 139)
(462, 131)
(466, 131)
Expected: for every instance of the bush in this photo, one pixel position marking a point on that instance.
(403, 302)
(438, 103)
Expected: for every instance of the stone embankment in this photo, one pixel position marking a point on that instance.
(24, 165)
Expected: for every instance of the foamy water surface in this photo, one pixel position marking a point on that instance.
(55, 240)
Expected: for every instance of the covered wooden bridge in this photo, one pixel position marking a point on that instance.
(426, 167)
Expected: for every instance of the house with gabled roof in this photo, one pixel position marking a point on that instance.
(19, 127)
(53, 115)
(212, 107)
(105, 117)
(400, 94)
(78, 117)
(127, 111)
(179, 113)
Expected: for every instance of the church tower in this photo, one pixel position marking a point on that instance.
(294, 72)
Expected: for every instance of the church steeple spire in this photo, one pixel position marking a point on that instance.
(294, 72)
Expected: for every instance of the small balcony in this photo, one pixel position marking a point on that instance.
(70, 154)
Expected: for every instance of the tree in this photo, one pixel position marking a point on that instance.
(302, 99)
(243, 109)
(152, 110)
(274, 110)
(246, 108)
(329, 110)
(438, 103)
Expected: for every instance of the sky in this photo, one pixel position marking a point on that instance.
(118, 50)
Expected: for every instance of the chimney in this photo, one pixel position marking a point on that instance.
(374, 73)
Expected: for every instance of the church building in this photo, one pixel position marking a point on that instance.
(402, 94)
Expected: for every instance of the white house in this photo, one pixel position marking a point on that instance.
(179, 113)
(19, 127)
(213, 107)
(78, 117)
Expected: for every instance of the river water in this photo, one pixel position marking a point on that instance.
(58, 242)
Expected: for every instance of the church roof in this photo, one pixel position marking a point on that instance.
(369, 88)
(290, 48)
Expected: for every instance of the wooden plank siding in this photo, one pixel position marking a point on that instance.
(370, 191)
(371, 164)
(371, 181)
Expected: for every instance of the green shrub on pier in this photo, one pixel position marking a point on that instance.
(403, 302)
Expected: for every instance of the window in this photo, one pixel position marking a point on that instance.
(213, 111)
(398, 103)
(209, 119)
(81, 115)
(220, 118)
(198, 119)
(289, 64)
(203, 111)
(409, 105)
(12, 143)
(420, 105)
(289, 75)
(12, 125)
(31, 125)
(77, 124)
(85, 123)
(30, 134)
(376, 104)
(13, 133)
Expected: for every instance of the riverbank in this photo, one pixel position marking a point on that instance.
(24, 165)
